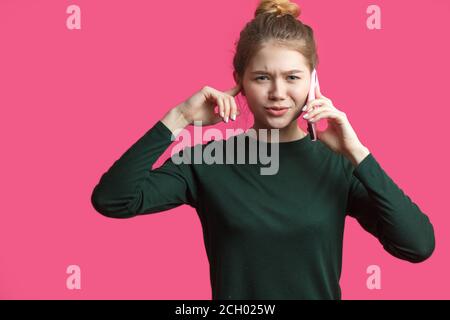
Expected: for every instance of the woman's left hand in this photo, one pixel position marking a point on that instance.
(339, 135)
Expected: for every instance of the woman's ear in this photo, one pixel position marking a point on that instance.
(238, 81)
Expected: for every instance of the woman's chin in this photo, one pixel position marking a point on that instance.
(278, 123)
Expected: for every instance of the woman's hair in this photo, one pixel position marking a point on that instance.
(275, 22)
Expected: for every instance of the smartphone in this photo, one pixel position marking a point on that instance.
(311, 96)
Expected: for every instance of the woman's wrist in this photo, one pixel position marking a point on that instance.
(357, 155)
(175, 120)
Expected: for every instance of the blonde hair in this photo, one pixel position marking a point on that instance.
(280, 8)
(275, 22)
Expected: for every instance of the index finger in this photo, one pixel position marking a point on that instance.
(234, 91)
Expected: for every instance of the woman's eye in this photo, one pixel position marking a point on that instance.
(295, 78)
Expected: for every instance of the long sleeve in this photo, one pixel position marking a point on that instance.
(386, 212)
(130, 187)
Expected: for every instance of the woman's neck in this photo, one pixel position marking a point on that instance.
(290, 133)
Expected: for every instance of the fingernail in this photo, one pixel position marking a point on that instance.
(226, 119)
(304, 108)
(306, 116)
(222, 114)
(233, 117)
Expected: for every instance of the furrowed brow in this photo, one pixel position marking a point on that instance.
(286, 72)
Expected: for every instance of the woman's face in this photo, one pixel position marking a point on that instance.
(276, 77)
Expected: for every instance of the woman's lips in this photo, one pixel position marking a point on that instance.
(277, 112)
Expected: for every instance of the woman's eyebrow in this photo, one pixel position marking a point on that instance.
(286, 72)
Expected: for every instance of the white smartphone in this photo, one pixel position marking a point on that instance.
(311, 96)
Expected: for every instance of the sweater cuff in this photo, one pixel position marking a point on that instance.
(367, 169)
(161, 127)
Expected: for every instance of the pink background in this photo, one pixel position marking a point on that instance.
(72, 101)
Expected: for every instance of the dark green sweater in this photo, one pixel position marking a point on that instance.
(269, 236)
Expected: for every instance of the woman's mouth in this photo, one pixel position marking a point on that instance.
(276, 111)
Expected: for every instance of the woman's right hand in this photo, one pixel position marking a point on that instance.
(201, 106)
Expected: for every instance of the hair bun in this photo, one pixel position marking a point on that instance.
(278, 7)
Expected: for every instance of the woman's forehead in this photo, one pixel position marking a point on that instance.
(277, 59)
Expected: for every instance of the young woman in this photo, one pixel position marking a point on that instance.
(270, 236)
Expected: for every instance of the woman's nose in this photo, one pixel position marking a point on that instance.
(277, 90)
